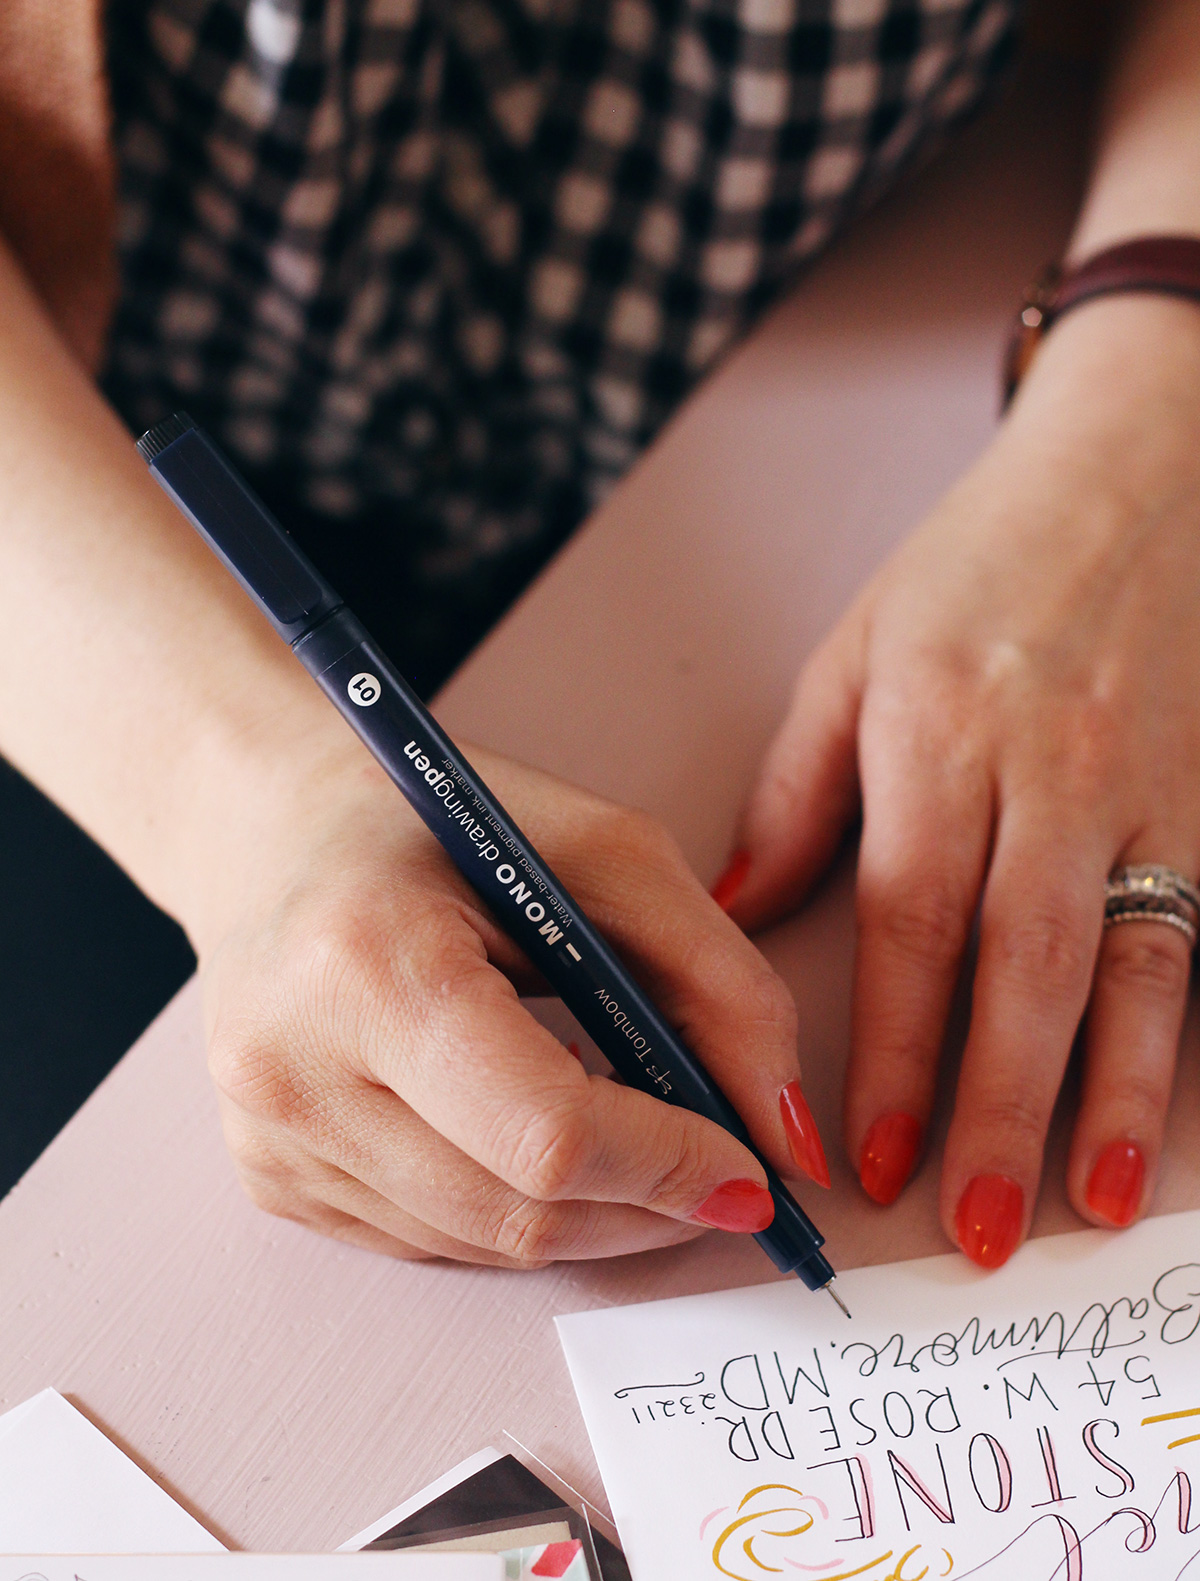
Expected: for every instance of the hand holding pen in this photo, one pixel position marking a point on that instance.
(381, 1081)
(380, 1078)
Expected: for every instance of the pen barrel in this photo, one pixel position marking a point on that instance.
(532, 906)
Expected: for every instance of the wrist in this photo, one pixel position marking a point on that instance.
(252, 791)
(1114, 392)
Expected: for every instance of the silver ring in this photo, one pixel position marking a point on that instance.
(1150, 892)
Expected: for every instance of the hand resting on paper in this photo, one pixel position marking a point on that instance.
(1013, 703)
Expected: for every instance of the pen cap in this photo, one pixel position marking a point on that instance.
(238, 527)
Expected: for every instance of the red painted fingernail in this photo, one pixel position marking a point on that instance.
(739, 1205)
(1115, 1189)
(888, 1155)
(988, 1221)
(804, 1139)
(726, 889)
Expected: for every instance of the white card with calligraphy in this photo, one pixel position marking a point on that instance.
(1041, 1422)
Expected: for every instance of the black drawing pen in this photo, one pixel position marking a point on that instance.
(478, 835)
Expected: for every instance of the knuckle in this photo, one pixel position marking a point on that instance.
(1046, 947)
(336, 939)
(677, 1185)
(239, 1062)
(269, 1182)
(271, 1197)
(1005, 1118)
(357, 964)
(249, 1072)
(1092, 740)
(348, 960)
(451, 976)
(892, 1040)
(553, 1154)
(1149, 960)
(533, 1234)
(924, 919)
(764, 999)
(1142, 1093)
(232, 1059)
(740, 980)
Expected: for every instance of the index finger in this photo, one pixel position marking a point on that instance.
(713, 985)
(463, 1052)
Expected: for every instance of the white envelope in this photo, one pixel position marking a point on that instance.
(65, 1488)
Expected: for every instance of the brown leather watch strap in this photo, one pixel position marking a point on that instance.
(1162, 264)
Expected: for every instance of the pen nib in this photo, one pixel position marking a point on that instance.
(830, 1291)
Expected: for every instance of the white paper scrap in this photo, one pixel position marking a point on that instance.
(1041, 1422)
(65, 1488)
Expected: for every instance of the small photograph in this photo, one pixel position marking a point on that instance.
(555, 1542)
(504, 1508)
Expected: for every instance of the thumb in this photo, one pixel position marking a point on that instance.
(807, 793)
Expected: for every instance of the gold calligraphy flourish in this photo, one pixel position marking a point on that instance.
(1174, 1416)
(899, 1573)
(789, 1519)
(801, 1522)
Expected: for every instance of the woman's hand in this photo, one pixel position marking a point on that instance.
(1014, 704)
(379, 1078)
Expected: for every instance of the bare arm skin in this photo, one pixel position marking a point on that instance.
(56, 169)
(379, 1078)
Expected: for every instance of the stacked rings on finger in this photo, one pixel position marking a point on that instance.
(1151, 893)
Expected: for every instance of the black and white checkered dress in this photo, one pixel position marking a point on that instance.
(436, 270)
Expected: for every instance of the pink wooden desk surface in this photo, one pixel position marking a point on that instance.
(288, 1390)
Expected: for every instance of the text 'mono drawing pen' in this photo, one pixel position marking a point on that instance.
(475, 831)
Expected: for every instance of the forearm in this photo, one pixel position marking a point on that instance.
(1146, 171)
(56, 165)
(141, 690)
(1111, 394)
